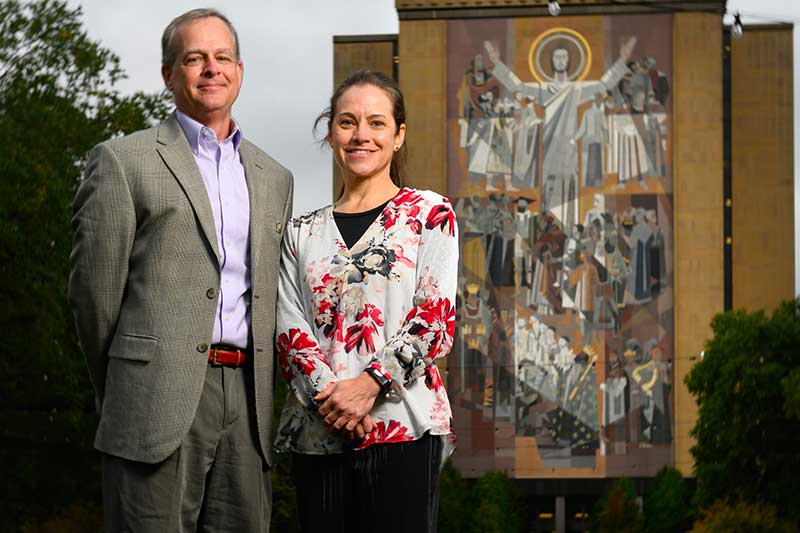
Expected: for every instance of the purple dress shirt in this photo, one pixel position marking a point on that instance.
(223, 175)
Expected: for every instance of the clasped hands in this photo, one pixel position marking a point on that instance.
(346, 405)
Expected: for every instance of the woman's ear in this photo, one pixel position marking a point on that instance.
(400, 137)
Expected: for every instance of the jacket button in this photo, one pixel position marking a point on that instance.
(211, 293)
(202, 347)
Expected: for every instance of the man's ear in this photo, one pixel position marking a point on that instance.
(166, 75)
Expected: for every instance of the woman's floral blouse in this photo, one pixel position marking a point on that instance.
(388, 302)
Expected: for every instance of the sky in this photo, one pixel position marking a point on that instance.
(287, 49)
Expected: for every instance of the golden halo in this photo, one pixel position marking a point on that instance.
(550, 35)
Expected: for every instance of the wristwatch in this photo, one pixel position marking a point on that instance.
(384, 383)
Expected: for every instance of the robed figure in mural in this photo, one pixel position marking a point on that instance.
(561, 99)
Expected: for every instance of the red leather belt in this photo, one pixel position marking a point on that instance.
(227, 356)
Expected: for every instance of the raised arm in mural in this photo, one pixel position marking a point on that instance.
(560, 99)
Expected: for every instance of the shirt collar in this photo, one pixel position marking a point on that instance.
(193, 129)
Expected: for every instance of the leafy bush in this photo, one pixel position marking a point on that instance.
(617, 511)
(453, 501)
(740, 517)
(667, 507)
(76, 518)
(496, 505)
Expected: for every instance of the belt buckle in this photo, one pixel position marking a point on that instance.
(214, 357)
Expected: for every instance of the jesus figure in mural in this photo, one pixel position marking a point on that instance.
(561, 99)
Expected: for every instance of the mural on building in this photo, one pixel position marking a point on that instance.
(559, 143)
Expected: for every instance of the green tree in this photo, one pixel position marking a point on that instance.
(740, 517)
(497, 506)
(667, 507)
(57, 100)
(453, 501)
(748, 429)
(618, 511)
(791, 390)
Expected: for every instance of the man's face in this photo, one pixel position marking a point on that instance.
(560, 60)
(206, 76)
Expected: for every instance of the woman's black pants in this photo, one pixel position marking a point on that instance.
(384, 488)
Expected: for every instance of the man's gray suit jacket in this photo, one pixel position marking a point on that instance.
(144, 283)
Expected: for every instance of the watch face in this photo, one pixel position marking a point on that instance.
(379, 378)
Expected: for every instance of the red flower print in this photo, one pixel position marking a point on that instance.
(398, 255)
(442, 216)
(329, 320)
(326, 282)
(297, 350)
(361, 335)
(432, 378)
(407, 198)
(404, 202)
(370, 312)
(435, 321)
(394, 432)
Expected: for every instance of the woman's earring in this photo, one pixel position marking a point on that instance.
(397, 147)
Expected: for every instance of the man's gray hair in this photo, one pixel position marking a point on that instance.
(169, 50)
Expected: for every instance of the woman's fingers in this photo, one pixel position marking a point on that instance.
(367, 424)
(359, 431)
(325, 393)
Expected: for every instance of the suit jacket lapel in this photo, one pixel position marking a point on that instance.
(261, 210)
(177, 154)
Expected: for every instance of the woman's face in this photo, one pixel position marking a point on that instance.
(363, 132)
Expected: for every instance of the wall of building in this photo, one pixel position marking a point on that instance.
(762, 164)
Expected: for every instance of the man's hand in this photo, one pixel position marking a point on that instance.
(626, 50)
(346, 403)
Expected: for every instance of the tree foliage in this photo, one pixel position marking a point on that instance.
(740, 517)
(748, 429)
(453, 501)
(496, 505)
(618, 511)
(791, 391)
(57, 100)
(668, 504)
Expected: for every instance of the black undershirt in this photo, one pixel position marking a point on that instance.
(353, 225)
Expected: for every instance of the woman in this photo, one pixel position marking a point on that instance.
(366, 304)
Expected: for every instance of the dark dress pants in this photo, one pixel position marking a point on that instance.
(387, 488)
(215, 481)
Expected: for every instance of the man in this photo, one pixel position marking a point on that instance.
(173, 286)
